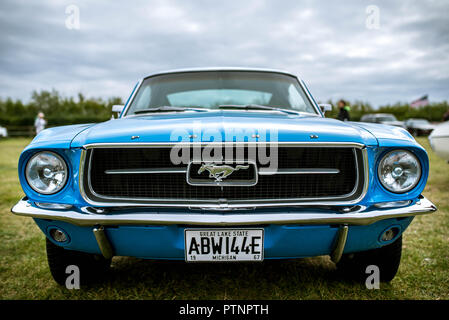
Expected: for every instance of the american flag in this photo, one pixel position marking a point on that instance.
(421, 102)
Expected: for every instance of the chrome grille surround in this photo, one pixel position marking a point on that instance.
(360, 189)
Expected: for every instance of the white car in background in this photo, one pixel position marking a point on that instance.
(3, 132)
(382, 118)
(419, 127)
(439, 140)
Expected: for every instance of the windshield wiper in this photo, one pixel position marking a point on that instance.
(168, 109)
(256, 107)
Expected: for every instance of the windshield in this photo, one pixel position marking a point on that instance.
(419, 122)
(386, 118)
(214, 89)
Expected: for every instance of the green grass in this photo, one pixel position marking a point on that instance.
(24, 274)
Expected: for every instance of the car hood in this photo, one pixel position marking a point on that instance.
(221, 125)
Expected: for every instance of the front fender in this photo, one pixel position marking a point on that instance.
(60, 137)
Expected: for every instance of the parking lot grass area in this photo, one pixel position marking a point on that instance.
(24, 274)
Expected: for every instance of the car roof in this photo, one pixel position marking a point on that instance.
(208, 69)
(382, 114)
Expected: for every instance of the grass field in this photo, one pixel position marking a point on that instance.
(24, 274)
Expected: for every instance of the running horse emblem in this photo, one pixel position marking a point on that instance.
(220, 172)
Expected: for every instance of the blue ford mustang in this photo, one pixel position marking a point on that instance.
(223, 165)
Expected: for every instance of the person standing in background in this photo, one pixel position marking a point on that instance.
(343, 114)
(40, 123)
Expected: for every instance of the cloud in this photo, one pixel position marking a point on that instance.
(327, 44)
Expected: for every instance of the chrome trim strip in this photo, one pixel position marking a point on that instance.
(81, 174)
(299, 171)
(131, 99)
(309, 96)
(225, 143)
(339, 244)
(310, 216)
(357, 181)
(262, 172)
(218, 69)
(103, 242)
(149, 170)
(218, 203)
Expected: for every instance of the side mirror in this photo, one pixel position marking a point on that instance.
(117, 108)
(325, 107)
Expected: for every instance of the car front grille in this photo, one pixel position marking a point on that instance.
(146, 175)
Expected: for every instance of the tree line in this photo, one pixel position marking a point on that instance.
(60, 110)
(433, 112)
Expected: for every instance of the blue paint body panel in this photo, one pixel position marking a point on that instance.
(280, 241)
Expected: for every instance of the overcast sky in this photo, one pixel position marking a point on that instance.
(342, 49)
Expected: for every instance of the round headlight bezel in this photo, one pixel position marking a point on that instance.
(379, 173)
(65, 168)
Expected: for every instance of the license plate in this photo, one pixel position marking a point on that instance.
(223, 245)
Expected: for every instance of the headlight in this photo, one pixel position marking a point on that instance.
(399, 171)
(46, 172)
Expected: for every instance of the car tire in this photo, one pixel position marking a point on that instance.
(92, 267)
(387, 258)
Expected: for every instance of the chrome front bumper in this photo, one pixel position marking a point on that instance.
(359, 215)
